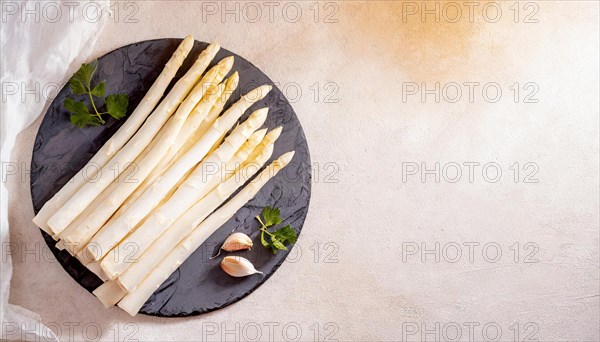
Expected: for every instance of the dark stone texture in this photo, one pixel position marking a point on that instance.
(199, 285)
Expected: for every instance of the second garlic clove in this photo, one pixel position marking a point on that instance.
(237, 266)
(237, 242)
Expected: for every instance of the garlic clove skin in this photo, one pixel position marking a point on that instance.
(237, 242)
(237, 266)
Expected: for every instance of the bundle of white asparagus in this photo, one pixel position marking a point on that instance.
(133, 228)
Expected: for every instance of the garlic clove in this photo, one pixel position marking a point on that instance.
(237, 266)
(237, 242)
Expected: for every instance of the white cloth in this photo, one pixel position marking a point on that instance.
(41, 44)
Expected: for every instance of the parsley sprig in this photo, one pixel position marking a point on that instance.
(81, 84)
(279, 238)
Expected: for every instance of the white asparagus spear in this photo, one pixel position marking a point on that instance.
(191, 191)
(109, 293)
(83, 236)
(189, 135)
(166, 198)
(135, 299)
(79, 232)
(181, 181)
(152, 228)
(124, 177)
(161, 247)
(147, 164)
(185, 140)
(61, 245)
(82, 260)
(231, 115)
(75, 238)
(240, 160)
(191, 124)
(120, 138)
(86, 194)
(214, 113)
(95, 268)
(71, 236)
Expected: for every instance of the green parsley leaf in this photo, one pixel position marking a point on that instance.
(82, 120)
(81, 84)
(76, 107)
(80, 116)
(271, 216)
(98, 90)
(116, 105)
(280, 238)
(277, 245)
(86, 72)
(77, 87)
(82, 79)
(286, 235)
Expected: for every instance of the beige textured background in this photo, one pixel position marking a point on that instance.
(348, 279)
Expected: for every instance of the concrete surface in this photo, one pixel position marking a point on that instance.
(388, 252)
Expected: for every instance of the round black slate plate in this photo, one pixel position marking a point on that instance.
(199, 285)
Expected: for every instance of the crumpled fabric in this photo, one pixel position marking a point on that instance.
(41, 44)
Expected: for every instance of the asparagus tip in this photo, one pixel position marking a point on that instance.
(258, 135)
(232, 81)
(275, 133)
(226, 63)
(267, 152)
(213, 48)
(259, 93)
(259, 116)
(286, 158)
